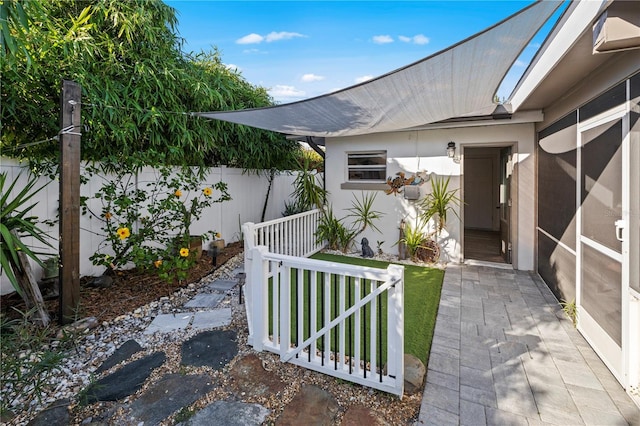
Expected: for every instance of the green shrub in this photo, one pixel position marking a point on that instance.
(147, 225)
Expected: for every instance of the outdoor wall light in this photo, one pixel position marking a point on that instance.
(451, 150)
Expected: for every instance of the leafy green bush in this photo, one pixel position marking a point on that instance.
(147, 225)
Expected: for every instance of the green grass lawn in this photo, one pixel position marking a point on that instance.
(422, 288)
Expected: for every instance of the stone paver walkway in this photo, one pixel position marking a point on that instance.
(503, 353)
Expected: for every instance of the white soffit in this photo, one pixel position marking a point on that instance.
(460, 80)
(569, 31)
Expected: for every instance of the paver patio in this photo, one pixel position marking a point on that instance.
(503, 352)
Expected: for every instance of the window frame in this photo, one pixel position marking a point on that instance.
(371, 153)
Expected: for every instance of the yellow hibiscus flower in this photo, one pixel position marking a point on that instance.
(178, 193)
(207, 192)
(184, 252)
(157, 263)
(123, 233)
(107, 215)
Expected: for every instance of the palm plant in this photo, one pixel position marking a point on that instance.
(439, 203)
(363, 213)
(331, 230)
(15, 225)
(306, 191)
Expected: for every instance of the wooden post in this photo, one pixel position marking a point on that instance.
(69, 201)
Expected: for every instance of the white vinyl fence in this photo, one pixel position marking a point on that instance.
(342, 320)
(248, 193)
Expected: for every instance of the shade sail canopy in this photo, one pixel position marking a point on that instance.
(458, 81)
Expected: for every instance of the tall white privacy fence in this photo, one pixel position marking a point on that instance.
(248, 192)
(342, 320)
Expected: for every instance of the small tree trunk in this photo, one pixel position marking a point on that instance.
(272, 175)
(30, 290)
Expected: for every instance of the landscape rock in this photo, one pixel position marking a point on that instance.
(359, 415)
(233, 413)
(250, 377)
(103, 281)
(124, 352)
(168, 395)
(124, 382)
(78, 327)
(55, 414)
(414, 372)
(210, 349)
(311, 406)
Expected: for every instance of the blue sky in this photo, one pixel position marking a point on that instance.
(302, 49)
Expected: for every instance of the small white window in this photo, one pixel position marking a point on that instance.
(367, 166)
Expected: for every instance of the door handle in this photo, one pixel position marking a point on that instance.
(620, 225)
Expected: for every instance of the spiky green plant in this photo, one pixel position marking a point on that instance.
(330, 229)
(571, 310)
(414, 238)
(439, 202)
(306, 190)
(363, 213)
(16, 224)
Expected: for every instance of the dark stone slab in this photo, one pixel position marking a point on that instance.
(210, 349)
(55, 414)
(250, 377)
(124, 352)
(311, 406)
(169, 395)
(229, 414)
(124, 382)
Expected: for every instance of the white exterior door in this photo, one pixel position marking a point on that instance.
(603, 237)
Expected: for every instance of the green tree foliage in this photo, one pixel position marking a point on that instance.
(138, 88)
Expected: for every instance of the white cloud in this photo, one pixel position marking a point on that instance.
(252, 38)
(420, 39)
(282, 35)
(233, 67)
(250, 51)
(283, 91)
(308, 78)
(363, 78)
(416, 39)
(382, 39)
(520, 63)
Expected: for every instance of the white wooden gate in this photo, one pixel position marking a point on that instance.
(330, 317)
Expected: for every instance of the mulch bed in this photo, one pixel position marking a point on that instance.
(130, 290)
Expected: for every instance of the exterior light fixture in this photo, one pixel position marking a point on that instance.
(451, 150)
